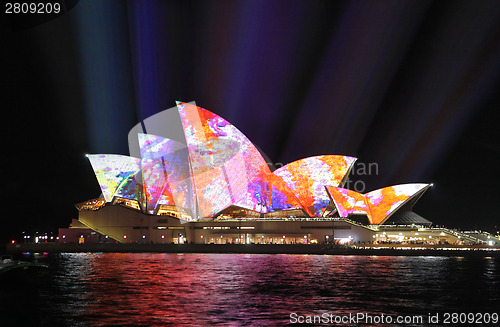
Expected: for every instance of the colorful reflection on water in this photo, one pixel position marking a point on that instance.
(112, 289)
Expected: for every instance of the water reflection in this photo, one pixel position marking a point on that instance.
(109, 289)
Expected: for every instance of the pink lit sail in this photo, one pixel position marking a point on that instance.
(155, 182)
(166, 174)
(383, 202)
(348, 202)
(227, 168)
(308, 178)
(378, 205)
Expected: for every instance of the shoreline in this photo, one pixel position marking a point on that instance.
(321, 249)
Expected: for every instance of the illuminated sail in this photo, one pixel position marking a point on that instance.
(227, 168)
(378, 205)
(166, 171)
(112, 170)
(206, 165)
(308, 177)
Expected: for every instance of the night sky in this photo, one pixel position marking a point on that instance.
(410, 86)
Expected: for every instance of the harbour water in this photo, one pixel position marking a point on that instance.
(154, 289)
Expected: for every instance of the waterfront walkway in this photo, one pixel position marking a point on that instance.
(359, 249)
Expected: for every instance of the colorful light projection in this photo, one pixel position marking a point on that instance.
(112, 170)
(227, 168)
(347, 201)
(378, 205)
(153, 151)
(383, 202)
(154, 178)
(132, 188)
(157, 147)
(219, 167)
(272, 194)
(166, 174)
(308, 177)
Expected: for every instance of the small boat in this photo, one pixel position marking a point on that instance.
(7, 263)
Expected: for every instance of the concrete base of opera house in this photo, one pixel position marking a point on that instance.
(115, 223)
(114, 228)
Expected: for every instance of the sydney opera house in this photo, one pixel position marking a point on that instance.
(193, 177)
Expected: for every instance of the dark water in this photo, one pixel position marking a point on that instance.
(106, 289)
